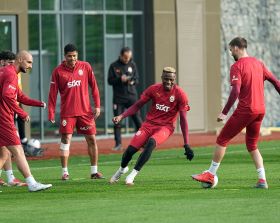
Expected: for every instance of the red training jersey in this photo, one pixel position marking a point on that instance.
(165, 104)
(250, 74)
(72, 85)
(10, 94)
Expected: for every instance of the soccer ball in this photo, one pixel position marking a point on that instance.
(208, 185)
(33, 148)
(34, 143)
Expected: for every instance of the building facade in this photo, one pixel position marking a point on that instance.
(180, 33)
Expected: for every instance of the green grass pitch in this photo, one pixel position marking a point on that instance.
(163, 191)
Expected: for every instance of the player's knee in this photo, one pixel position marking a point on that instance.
(131, 150)
(64, 149)
(151, 144)
(251, 148)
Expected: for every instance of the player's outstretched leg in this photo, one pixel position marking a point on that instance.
(23, 167)
(127, 156)
(208, 176)
(143, 158)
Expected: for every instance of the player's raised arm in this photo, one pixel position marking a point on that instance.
(130, 111)
(24, 99)
(271, 78)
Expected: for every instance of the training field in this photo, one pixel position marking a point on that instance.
(163, 191)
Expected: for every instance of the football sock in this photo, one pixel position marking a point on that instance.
(93, 169)
(214, 167)
(127, 155)
(133, 174)
(261, 173)
(146, 154)
(64, 170)
(10, 175)
(30, 180)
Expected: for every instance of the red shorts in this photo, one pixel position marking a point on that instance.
(9, 135)
(235, 124)
(84, 124)
(158, 133)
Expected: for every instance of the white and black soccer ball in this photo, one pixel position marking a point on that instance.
(34, 143)
(208, 185)
(33, 148)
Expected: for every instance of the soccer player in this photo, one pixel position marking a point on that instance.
(247, 77)
(6, 58)
(168, 99)
(72, 79)
(10, 94)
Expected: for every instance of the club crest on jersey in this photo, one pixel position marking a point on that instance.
(129, 69)
(80, 72)
(64, 122)
(172, 98)
(138, 133)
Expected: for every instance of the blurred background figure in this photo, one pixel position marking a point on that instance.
(123, 76)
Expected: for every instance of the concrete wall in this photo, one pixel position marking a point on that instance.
(198, 42)
(258, 21)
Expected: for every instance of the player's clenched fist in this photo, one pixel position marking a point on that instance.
(188, 152)
(117, 119)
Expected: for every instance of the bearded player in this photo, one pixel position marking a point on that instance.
(247, 77)
(168, 99)
(72, 79)
(10, 94)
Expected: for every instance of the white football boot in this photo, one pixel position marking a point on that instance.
(115, 178)
(38, 186)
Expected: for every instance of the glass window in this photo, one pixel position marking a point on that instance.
(33, 4)
(114, 24)
(73, 32)
(114, 5)
(134, 5)
(5, 35)
(93, 4)
(50, 49)
(94, 55)
(72, 4)
(50, 5)
(33, 28)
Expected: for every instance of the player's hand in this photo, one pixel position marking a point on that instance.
(117, 119)
(124, 78)
(221, 117)
(27, 118)
(96, 113)
(52, 121)
(188, 152)
(44, 105)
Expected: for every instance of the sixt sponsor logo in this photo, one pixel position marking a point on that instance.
(162, 107)
(74, 83)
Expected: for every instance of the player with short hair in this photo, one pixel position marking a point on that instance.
(6, 58)
(10, 94)
(72, 79)
(168, 99)
(247, 77)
